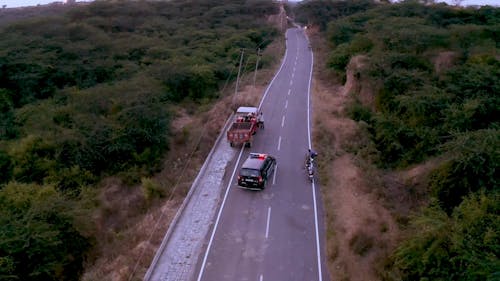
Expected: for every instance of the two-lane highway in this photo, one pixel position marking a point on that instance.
(275, 234)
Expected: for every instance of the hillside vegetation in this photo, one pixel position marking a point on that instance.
(433, 74)
(87, 93)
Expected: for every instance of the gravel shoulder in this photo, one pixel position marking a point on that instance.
(180, 253)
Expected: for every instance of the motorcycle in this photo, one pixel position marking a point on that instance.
(310, 168)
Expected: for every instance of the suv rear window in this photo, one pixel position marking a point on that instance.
(249, 173)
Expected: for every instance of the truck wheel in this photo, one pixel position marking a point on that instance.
(231, 144)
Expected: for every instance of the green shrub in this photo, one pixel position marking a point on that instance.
(70, 180)
(339, 58)
(39, 240)
(7, 116)
(479, 78)
(401, 144)
(472, 165)
(321, 12)
(342, 31)
(461, 247)
(360, 44)
(151, 189)
(357, 112)
(32, 159)
(5, 167)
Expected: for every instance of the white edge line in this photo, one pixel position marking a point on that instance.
(268, 221)
(308, 103)
(180, 211)
(274, 78)
(202, 268)
(318, 252)
(320, 275)
(274, 176)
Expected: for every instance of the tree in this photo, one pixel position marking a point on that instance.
(38, 238)
(463, 246)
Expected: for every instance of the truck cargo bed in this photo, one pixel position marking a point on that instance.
(241, 126)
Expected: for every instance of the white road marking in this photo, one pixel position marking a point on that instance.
(289, 90)
(291, 83)
(274, 78)
(268, 221)
(283, 121)
(279, 143)
(286, 104)
(274, 176)
(320, 275)
(261, 278)
(202, 269)
(318, 252)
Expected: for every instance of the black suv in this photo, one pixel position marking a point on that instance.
(256, 170)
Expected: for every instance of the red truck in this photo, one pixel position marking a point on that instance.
(246, 123)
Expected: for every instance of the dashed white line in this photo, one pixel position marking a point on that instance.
(274, 176)
(261, 278)
(268, 221)
(283, 121)
(279, 143)
(286, 104)
(291, 83)
(289, 90)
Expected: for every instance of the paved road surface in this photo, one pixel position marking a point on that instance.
(275, 234)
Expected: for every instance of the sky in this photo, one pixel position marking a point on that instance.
(21, 3)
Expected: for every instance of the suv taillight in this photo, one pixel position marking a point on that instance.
(260, 179)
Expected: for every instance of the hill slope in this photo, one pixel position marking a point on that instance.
(93, 99)
(422, 85)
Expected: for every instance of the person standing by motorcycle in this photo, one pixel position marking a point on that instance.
(311, 154)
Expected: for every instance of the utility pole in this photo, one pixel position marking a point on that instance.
(238, 77)
(256, 66)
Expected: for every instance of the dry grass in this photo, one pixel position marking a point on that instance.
(131, 223)
(360, 230)
(364, 205)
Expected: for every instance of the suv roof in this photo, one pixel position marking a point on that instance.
(254, 161)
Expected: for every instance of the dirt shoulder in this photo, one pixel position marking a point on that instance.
(361, 230)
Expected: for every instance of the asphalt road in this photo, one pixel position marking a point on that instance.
(275, 234)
